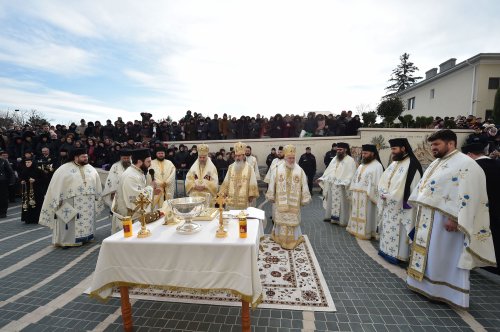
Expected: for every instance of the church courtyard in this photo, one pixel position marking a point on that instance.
(42, 289)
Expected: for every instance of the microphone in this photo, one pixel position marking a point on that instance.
(152, 173)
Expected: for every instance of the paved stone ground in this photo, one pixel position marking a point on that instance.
(41, 290)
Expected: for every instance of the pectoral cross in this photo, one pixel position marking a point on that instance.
(142, 202)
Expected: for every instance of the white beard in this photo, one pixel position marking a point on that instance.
(290, 166)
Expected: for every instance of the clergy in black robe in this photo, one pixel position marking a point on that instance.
(491, 168)
(34, 185)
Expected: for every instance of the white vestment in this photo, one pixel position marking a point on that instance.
(132, 183)
(289, 191)
(364, 195)
(396, 218)
(274, 164)
(72, 202)
(334, 182)
(112, 183)
(252, 161)
(164, 175)
(453, 187)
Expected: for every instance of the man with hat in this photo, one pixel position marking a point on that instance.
(491, 168)
(274, 164)
(240, 184)
(132, 182)
(288, 191)
(396, 218)
(202, 178)
(363, 188)
(113, 179)
(161, 177)
(452, 229)
(73, 201)
(334, 182)
(308, 163)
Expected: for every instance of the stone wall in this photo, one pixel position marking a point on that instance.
(320, 145)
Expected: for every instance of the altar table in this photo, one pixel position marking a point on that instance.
(196, 262)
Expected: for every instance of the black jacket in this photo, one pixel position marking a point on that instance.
(308, 163)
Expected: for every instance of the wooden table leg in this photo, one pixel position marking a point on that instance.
(245, 316)
(126, 309)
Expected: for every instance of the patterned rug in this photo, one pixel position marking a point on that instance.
(291, 279)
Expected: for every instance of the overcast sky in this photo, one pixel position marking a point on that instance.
(109, 58)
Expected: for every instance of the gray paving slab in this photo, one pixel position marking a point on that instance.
(367, 297)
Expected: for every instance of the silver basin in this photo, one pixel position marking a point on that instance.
(187, 208)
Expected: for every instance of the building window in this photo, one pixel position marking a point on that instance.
(432, 93)
(411, 103)
(494, 83)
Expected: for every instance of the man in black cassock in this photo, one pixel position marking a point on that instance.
(491, 168)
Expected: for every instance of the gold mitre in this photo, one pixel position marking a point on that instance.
(289, 150)
(239, 148)
(202, 150)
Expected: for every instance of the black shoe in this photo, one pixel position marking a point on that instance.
(327, 220)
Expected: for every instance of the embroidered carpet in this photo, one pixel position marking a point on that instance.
(291, 279)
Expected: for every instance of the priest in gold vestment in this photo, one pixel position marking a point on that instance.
(202, 178)
(161, 177)
(240, 184)
(288, 190)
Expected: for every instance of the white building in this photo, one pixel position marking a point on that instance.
(467, 88)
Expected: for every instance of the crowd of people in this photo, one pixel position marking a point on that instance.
(48, 147)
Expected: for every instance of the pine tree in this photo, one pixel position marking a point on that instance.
(402, 77)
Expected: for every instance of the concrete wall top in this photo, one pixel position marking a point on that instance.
(321, 145)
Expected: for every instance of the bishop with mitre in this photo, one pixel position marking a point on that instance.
(288, 190)
(202, 178)
(240, 185)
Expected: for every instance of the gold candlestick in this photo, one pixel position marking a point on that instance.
(141, 203)
(221, 232)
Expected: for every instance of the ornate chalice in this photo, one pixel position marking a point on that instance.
(187, 208)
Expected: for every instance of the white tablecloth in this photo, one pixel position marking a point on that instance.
(168, 259)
